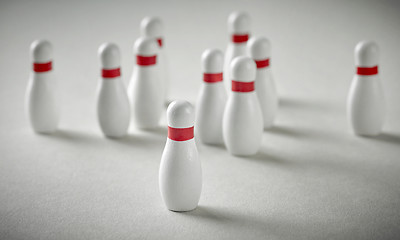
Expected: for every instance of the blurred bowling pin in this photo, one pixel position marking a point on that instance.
(365, 103)
(239, 30)
(260, 50)
(113, 110)
(144, 88)
(180, 177)
(153, 27)
(212, 99)
(41, 96)
(242, 120)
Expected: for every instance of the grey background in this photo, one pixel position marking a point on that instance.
(312, 178)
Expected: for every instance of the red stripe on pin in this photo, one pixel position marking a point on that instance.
(180, 134)
(42, 67)
(212, 77)
(160, 41)
(240, 38)
(262, 63)
(242, 86)
(111, 73)
(367, 70)
(146, 61)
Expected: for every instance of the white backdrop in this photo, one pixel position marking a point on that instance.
(312, 179)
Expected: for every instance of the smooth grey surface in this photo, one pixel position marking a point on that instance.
(312, 179)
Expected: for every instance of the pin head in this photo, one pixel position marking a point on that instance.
(259, 48)
(180, 114)
(110, 56)
(146, 46)
(41, 51)
(243, 69)
(366, 54)
(239, 23)
(151, 27)
(212, 61)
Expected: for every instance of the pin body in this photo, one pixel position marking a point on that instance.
(144, 88)
(180, 177)
(113, 110)
(242, 120)
(239, 30)
(153, 27)
(260, 50)
(365, 103)
(41, 96)
(211, 100)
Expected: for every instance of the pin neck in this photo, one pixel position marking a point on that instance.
(367, 71)
(146, 60)
(111, 73)
(212, 77)
(242, 86)
(240, 38)
(262, 63)
(42, 67)
(180, 134)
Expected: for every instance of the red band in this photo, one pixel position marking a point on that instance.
(242, 86)
(212, 77)
(240, 38)
(180, 134)
(262, 63)
(111, 73)
(159, 40)
(42, 67)
(146, 61)
(367, 70)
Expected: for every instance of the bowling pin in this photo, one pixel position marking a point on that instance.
(41, 96)
(242, 121)
(259, 49)
(144, 90)
(212, 98)
(113, 110)
(365, 102)
(239, 30)
(153, 27)
(180, 177)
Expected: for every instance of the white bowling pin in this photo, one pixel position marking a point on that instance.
(113, 110)
(153, 27)
(239, 30)
(365, 102)
(242, 121)
(212, 98)
(144, 88)
(260, 50)
(41, 96)
(180, 177)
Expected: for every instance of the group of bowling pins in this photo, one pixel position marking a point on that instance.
(237, 119)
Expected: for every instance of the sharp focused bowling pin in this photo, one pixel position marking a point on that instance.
(365, 102)
(180, 177)
(239, 30)
(113, 110)
(144, 88)
(41, 96)
(212, 98)
(242, 121)
(153, 27)
(260, 50)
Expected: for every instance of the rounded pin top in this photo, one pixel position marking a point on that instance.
(243, 69)
(146, 46)
(110, 56)
(366, 54)
(259, 48)
(180, 114)
(41, 51)
(239, 23)
(212, 61)
(151, 27)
